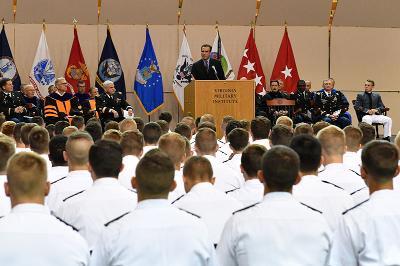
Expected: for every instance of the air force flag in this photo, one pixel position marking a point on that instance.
(109, 67)
(8, 69)
(148, 81)
(42, 74)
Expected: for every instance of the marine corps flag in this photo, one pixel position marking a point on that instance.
(76, 68)
(148, 81)
(250, 67)
(109, 67)
(285, 65)
(8, 69)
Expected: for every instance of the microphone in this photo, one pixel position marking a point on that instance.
(215, 72)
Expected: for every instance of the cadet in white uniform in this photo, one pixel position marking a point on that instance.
(132, 148)
(59, 167)
(238, 141)
(206, 145)
(151, 135)
(279, 230)
(203, 199)
(369, 233)
(78, 178)
(351, 159)
(332, 140)
(174, 145)
(155, 233)
(259, 130)
(252, 191)
(105, 200)
(328, 198)
(30, 235)
(7, 149)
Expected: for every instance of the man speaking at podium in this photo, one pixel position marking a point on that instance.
(207, 68)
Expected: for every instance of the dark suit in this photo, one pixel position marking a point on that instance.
(8, 105)
(363, 103)
(104, 104)
(199, 70)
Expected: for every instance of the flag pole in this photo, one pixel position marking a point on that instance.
(330, 22)
(179, 13)
(14, 19)
(258, 5)
(98, 26)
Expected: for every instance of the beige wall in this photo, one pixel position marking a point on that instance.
(357, 53)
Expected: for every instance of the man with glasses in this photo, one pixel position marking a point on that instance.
(60, 104)
(369, 104)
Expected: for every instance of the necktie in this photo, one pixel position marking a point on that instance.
(206, 64)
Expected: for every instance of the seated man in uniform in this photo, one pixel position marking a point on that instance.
(12, 103)
(81, 94)
(331, 105)
(60, 105)
(304, 102)
(369, 232)
(263, 233)
(155, 233)
(370, 106)
(111, 105)
(30, 235)
(33, 104)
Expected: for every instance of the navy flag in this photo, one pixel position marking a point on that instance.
(148, 81)
(8, 69)
(109, 67)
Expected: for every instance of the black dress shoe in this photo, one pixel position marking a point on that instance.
(386, 138)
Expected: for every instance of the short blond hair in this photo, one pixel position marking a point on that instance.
(127, 124)
(7, 149)
(174, 146)
(284, 120)
(332, 140)
(397, 140)
(112, 134)
(27, 175)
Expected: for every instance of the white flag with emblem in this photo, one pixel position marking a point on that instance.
(183, 71)
(42, 74)
(218, 52)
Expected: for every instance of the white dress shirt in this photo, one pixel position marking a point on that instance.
(225, 177)
(369, 233)
(19, 149)
(125, 176)
(179, 191)
(29, 235)
(250, 193)
(339, 175)
(155, 234)
(57, 172)
(213, 206)
(330, 200)
(263, 142)
(352, 161)
(234, 163)
(148, 148)
(277, 231)
(60, 190)
(5, 203)
(90, 210)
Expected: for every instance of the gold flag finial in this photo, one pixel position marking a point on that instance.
(180, 4)
(216, 25)
(75, 22)
(285, 25)
(3, 22)
(44, 24)
(147, 25)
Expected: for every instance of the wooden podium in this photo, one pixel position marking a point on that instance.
(220, 98)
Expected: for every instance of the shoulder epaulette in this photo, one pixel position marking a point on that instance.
(64, 222)
(354, 192)
(229, 191)
(321, 171)
(355, 206)
(245, 208)
(59, 180)
(354, 172)
(195, 215)
(223, 152)
(227, 160)
(132, 190)
(181, 196)
(327, 182)
(77, 193)
(116, 219)
(311, 208)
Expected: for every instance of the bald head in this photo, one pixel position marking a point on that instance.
(27, 179)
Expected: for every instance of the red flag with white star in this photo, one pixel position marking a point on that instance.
(76, 69)
(250, 66)
(285, 65)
